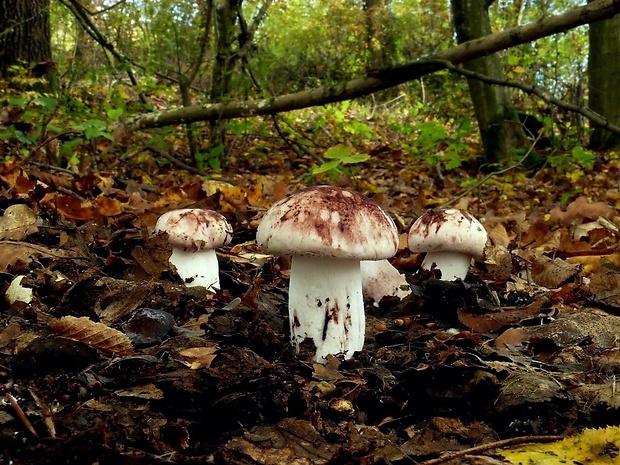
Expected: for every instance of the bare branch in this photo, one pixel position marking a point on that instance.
(382, 79)
(594, 117)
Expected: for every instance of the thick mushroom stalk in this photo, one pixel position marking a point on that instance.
(453, 265)
(328, 231)
(197, 268)
(326, 305)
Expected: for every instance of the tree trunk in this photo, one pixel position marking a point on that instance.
(603, 72)
(224, 23)
(25, 37)
(375, 10)
(499, 127)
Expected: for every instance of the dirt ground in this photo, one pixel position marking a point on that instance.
(106, 357)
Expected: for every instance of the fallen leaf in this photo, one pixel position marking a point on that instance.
(201, 356)
(94, 334)
(595, 446)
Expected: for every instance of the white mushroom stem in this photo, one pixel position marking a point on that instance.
(453, 265)
(326, 305)
(380, 279)
(197, 268)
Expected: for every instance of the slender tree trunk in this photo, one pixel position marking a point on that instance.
(499, 128)
(25, 38)
(224, 24)
(603, 72)
(374, 10)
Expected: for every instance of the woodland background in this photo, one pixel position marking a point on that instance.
(110, 62)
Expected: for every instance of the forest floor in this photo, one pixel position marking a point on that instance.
(526, 346)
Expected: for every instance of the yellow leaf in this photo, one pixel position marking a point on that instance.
(519, 69)
(591, 446)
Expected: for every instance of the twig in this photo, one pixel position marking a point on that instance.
(592, 116)
(21, 415)
(490, 175)
(293, 144)
(174, 161)
(43, 250)
(46, 413)
(490, 446)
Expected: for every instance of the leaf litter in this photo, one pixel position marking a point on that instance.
(111, 359)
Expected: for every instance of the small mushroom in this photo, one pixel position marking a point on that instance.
(194, 235)
(451, 238)
(327, 230)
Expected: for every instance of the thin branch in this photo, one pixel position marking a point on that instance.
(594, 117)
(494, 173)
(491, 446)
(175, 161)
(82, 15)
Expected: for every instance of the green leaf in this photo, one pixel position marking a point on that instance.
(359, 158)
(19, 102)
(325, 167)
(337, 152)
(48, 102)
(96, 123)
(513, 60)
(92, 133)
(217, 150)
(22, 138)
(115, 113)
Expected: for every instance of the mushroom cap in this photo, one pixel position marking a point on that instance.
(447, 230)
(195, 228)
(328, 221)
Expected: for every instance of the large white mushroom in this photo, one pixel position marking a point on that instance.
(451, 238)
(327, 230)
(194, 235)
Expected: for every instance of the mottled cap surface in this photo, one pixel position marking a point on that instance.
(447, 230)
(328, 221)
(195, 228)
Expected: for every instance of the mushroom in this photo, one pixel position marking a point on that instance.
(194, 234)
(380, 279)
(327, 230)
(450, 237)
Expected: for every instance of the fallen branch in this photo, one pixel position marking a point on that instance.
(381, 79)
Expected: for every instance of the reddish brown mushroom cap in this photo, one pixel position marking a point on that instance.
(328, 221)
(195, 228)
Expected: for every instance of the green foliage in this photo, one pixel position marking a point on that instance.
(576, 161)
(211, 158)
(342, 160)
(436, 144)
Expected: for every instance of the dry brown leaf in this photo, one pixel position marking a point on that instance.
(201, 356)
(107, 206)
(552, 272)
(492, 321)
(18, 222)
(94, 334)
(580, 208)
